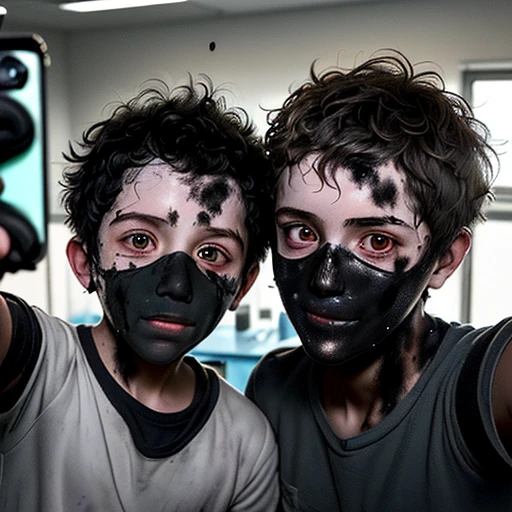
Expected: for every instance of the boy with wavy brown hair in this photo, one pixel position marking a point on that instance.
(379, 175)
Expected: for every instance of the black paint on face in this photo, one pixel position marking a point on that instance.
(173, 290)
(203, 219)
(343, 308)
(384, 192)
(211, 195)
(173, 218)
(401, 264)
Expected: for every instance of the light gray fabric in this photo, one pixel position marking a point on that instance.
(64, 447)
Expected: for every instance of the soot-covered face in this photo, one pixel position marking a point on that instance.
(172, 252)
(351, 260)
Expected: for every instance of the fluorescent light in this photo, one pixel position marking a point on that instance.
(107, 5)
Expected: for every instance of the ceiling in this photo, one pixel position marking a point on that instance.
(46, 14)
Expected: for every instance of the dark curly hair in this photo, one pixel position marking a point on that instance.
(380, 112)
(189, 128)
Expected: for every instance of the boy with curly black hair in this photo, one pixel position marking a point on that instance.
(165, 199)
(380, 174)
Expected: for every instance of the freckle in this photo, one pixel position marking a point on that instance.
(132, 265)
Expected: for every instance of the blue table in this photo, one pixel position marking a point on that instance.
(235, 353)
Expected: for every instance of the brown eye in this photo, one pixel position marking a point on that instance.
(140, 241)
(299, 236)
(213, 255)
(380, 242)
(208, 254)
(306, 234)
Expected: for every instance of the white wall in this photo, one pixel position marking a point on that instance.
(261, 57)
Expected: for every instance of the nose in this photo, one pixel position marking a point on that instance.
(327, 276)
(176, 280)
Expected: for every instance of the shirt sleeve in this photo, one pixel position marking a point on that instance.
(23, 350)
(474, 400)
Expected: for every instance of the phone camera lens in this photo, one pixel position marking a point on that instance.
(13, 73)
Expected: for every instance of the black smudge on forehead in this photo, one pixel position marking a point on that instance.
(173, 217)
(203, 219)
(363, 174)
(384, 192)
(211, 195)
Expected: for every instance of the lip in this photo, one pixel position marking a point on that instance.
(169, 323)
(327, 321)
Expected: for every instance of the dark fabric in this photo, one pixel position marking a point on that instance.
(23, 351)
(156, 435)
(416, 459)
(474, 396)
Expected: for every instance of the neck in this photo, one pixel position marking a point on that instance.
(163, 388)
(358, 396)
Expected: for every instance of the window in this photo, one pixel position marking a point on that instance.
(486, 279)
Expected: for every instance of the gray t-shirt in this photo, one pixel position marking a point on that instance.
(438, 450)
(65, 447)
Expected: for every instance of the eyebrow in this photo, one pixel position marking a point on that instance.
(376, 221)
(227, 233)
(152, 219)
(286, 210)
(356, 221)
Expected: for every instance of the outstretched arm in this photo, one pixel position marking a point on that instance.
(5, 316)
(502, 398)
(6, 383)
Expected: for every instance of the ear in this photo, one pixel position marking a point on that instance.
(451, 260)
(78, 261)
(247, 283)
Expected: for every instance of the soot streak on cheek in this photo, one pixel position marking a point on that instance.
(228, 284)
(401, 264)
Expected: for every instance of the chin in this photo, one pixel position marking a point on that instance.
(335, 353)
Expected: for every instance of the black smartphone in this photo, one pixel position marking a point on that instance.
(23, 148)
